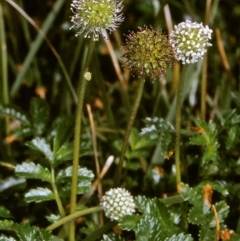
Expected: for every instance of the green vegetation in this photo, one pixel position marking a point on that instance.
(115, 111)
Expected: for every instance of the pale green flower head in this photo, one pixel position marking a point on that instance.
(94, 17)
(190, 41)
(117, 202)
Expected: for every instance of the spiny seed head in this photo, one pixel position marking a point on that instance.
(117, 203)
(94, 17)
(148, 53)
(190, 41)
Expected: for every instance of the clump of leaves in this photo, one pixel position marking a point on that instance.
(49, 151)
(157, 219)
(11, 231)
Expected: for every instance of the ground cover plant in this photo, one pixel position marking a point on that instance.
(120, 120)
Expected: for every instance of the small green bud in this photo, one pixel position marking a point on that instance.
(88, 76)
(148, 53)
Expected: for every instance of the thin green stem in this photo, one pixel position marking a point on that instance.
(77, 136)
(4, 73)
(3, 61)
(129, 127)
(173, 199)
(204, 87)
(178, 124)
(57, 198)
(73, 216)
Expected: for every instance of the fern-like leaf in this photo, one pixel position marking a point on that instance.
(207, 137)
(180, 237)
(158, 127)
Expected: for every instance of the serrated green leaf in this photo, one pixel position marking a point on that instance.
(196, 198)
(85, 178)
(23, 132)
(83, 174)
(90, 227)
(112, 237)
(180, 237)
(148, 229)
(137, 141)
(15, 112)
(42, 146)
(83, 186)
(39, 113)
(154, 207)
(129, 222)
(5, 213)
(195, 195)
(13, 184)
(64, 153)
(233, 137)
(117, 144)
(156, 125)
(142, 204)
(31, 170)
(145, 142)
(132, 165)
(210, 153)
(27, 233)
(64, 131)
(5, 224)
(218, 186)
(164, 130)
(207, 234)
(208, 139)
(5, 238)
(157, 210)
(52, 218)
(230, 119)
(197, 140)
(166, 143)
(137, 154)
(39, 195)
(222, 212)
(184, 190)
(196, 216)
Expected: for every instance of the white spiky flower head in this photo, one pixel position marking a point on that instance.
(190, 41)
(95, 17)
(117, 202)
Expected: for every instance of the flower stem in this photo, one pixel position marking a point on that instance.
(57, 197)
(77, 137)
(4, 73)
(178, 124)
(127, 134)
(204, 87)
(73, 216)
